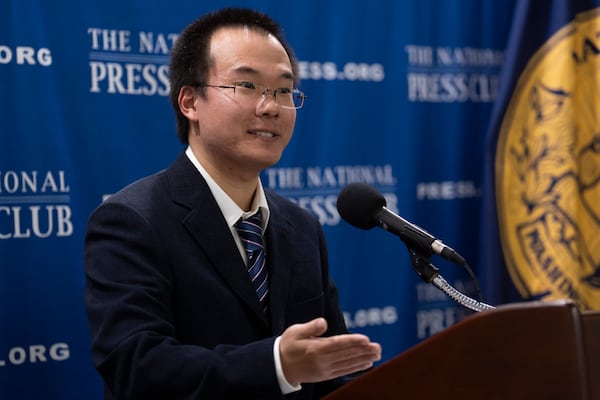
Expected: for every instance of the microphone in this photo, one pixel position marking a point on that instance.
(364, 207)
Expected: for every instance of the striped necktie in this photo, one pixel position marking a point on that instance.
(250, 231)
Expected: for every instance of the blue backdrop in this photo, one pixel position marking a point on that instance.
(400, 96)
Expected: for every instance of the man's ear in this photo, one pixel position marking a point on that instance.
(187, 102)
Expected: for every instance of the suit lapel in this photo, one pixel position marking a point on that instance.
(279, 250)
(208, 227)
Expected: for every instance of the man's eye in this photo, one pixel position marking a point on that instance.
(284, 90)
(246, 85)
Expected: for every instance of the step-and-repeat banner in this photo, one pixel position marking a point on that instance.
(400, 96)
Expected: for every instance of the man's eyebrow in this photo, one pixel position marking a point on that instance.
(244, 69)
(288, 75)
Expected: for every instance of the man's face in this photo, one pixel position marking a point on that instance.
(240, 134)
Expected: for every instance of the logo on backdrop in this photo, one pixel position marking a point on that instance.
(132, 63)
(452, 74)
(316, 188)
(25, 55)
(373, 316)
(137, 63)
(34, 204)
(350, 71)
(36, 353)
(548, 169)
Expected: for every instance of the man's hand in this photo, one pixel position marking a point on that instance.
(307, 357)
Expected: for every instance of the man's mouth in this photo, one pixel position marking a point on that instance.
(263, 134)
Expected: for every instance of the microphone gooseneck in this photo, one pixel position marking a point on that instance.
(364, 207)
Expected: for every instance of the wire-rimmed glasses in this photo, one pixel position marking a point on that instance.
(251, 92)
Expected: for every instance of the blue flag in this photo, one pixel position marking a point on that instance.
(541, 195)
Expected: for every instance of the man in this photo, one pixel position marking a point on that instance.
(173, 310)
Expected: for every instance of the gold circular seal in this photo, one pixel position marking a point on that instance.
(548, 169)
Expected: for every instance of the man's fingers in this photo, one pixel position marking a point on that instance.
(314, 328)
(353, 360)
(353, 354)
(356, 356)
(338, 343)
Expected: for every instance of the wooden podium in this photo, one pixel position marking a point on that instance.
(535, 350)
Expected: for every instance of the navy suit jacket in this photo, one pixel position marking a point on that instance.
(171, 309)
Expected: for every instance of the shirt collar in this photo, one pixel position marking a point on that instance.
(231, 211)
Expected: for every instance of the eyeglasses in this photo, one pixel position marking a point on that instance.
(251, 92)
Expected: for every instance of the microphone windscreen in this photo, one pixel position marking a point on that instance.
(358, 204)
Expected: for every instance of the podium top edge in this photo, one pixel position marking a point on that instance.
(539, 304)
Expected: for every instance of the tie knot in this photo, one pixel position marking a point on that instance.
(250, 231)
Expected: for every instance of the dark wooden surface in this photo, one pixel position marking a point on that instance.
(520, 351)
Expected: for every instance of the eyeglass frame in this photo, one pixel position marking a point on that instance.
(234, 85)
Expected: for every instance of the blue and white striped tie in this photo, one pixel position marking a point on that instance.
(250, 231)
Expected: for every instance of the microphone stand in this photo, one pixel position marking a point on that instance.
(430, 274)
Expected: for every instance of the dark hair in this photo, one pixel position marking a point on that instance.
(190, 59)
